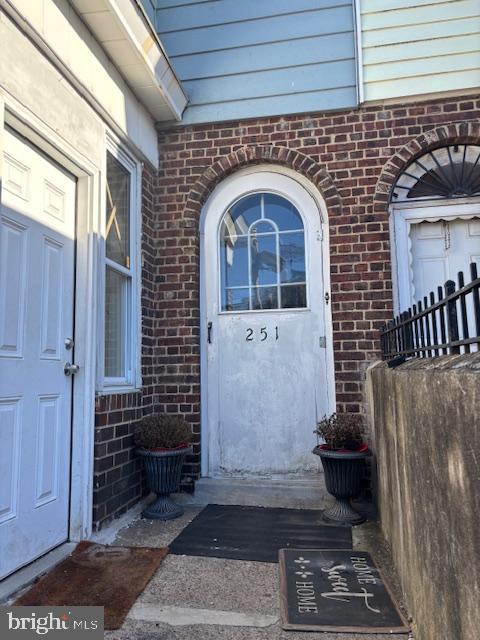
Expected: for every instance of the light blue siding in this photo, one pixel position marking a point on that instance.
(275, 55)
(251, 58)
(330, 99)
(221, 12)
(251, 33)
(150, 6)
(268, 83)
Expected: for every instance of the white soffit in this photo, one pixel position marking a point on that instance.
(123, 30)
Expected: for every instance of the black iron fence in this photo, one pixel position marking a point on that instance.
(449, 325)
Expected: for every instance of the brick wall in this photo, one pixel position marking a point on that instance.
(118, 482)
(353, 157)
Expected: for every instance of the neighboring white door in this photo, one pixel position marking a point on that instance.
(36, 318)
(440, 250)
(267, 380)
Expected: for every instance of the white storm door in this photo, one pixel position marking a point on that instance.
(440, 250)
(267, 378)
(36, 317)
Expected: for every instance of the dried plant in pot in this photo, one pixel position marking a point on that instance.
(343, 457)
(163, 442)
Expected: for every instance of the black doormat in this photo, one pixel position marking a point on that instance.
(257, 533)
(338, 591)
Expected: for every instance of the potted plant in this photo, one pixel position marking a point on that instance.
(163, 441)
(343, 458)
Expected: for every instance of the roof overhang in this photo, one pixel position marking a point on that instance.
(125, 33)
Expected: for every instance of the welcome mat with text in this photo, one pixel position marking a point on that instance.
(257, 533)
(337, 591)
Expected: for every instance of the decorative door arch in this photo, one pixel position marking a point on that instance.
(435, 221)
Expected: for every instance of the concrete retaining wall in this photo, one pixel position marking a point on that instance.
(426, 431)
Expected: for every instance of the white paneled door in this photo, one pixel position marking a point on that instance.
(440, 250)
(37, 243)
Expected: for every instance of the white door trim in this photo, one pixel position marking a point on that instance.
(402, 216)
(88, 237)
(269, 180)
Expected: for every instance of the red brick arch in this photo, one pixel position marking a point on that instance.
(456, 133)
(261, 154)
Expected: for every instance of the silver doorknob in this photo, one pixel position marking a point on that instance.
(70, 369)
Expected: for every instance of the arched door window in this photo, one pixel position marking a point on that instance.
(262, 255)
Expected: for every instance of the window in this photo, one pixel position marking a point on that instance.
(452, 171)
(262, 255)
(120, 301)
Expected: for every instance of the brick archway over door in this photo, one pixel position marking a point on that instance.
(263, 154)
(456, 133)
(229, 164)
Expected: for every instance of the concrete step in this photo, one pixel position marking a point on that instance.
(294, 492)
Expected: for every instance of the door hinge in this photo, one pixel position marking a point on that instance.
(327, 298)
(323, 342)
(446, 234)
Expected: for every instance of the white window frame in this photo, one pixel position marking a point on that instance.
(222, 286)
(132, 381)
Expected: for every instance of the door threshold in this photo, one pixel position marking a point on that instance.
(300, 492)
(14, 583)
(308, 478)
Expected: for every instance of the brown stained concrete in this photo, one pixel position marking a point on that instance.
(241, 597)
(426, 426)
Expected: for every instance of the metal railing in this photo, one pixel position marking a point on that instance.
(450, 325)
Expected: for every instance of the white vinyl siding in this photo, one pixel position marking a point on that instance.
(73, 44)
(413, 47)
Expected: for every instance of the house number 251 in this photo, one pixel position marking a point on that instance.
(263, 334)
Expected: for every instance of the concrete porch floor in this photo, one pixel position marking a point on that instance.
(194, 598)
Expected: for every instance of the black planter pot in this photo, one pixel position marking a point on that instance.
(343, 476)
(163, 469)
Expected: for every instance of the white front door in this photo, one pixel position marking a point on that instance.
(37, 244)
(441, 249)
(266, 336)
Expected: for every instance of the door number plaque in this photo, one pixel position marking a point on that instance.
(261, 335)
